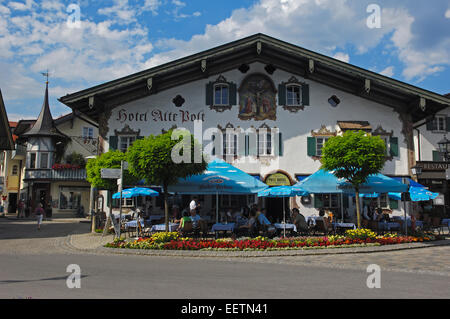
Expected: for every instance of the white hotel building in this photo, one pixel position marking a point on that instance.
(260, 82)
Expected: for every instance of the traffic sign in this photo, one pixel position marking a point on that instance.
(110, 173)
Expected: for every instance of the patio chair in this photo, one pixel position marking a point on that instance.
(322, 226)
(187, 229)
(437, 225)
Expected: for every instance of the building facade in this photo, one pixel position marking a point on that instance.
(50, 155)
(267, 107)
(6, 145)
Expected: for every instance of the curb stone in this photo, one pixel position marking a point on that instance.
(68, 243)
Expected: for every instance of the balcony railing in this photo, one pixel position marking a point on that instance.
(55, 175)
(20, 152)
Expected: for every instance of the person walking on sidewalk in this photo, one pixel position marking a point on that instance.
(21, 208)
(39, 212)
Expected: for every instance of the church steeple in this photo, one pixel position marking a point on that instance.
(44, 125)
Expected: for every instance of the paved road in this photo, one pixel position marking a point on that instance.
(33, 264)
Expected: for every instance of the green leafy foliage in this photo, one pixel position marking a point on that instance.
(76, 159)
(111, 159)
(354, 156)
(151, 158)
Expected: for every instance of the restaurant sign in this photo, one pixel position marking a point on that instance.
(278, 179)
(433, 166)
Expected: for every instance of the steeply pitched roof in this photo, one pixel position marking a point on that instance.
(6, 140)
(275, 53)
(44, 125)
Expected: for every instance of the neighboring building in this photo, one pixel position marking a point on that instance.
(6, 145)
(50, 174)
(435, 168)
(286, 99)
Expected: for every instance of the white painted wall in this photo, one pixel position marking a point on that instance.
(295, 127)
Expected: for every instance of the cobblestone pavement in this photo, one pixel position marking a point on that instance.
(22, 237)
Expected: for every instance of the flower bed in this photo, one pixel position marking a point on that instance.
(353, 238)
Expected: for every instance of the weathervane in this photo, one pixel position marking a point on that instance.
(46, 74)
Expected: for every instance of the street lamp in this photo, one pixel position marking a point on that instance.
(444, 147)
(416, 170)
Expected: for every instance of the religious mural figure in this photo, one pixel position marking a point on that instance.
(257, 98)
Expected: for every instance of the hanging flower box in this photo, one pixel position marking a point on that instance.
(65, 166)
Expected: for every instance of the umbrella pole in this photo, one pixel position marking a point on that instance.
(217, 207)
(284, 219)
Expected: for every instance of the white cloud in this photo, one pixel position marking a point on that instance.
(20, 6)
(389, 71)
(341, 56)
(447, 14)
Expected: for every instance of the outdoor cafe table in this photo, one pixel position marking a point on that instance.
(311, 220)
(222, 227)
(389, 225)
(133, 224)
(162, 227)
(343, 225)
(285, 226)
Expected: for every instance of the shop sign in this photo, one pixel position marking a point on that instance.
(433, 166)
(278, 179)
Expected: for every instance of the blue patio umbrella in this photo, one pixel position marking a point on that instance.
(281, 192)
(135, 192)
(417, 191)
(325, 182)
(219, 178)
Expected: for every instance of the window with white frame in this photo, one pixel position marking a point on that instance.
(88, 132)
(439, 123)
(125, 141)
(293, 95)
(320, 142)
(386, 143)
(221, 94)
(264, 142)
(383, 201)
(230, 144)
(69, 199)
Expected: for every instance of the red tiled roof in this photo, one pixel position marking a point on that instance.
(12, 124)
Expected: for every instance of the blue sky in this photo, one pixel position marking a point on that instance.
(115, 38)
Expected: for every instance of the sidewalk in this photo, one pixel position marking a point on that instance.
(94, 243)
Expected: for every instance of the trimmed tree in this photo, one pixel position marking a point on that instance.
(354, 156)
(165, 158)
(111, 159)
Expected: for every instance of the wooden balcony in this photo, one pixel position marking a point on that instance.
(55, 174)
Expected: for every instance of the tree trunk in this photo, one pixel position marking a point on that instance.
(166, 208)
(358, 209)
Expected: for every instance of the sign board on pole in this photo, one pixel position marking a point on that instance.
(110, 173)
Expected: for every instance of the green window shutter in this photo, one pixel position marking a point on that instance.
(113, 142)
(393, 204)
(393, 148)
(437, 156)
(318, 202)
(233, 94)
(311, 146)
(209, 94)
(447, 124)
(430, 125)
(281, 94)
(305, 94)
(279, 146)
(140, 137)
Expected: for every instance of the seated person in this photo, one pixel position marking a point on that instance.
(262, 220)
(195, 219)
(184, 219)
(299, 220)
(321, 214)
(247, 227)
